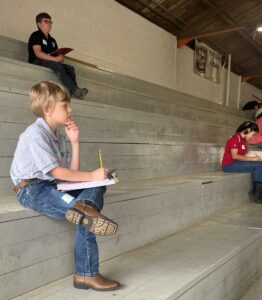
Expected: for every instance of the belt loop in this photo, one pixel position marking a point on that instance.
(23, 183)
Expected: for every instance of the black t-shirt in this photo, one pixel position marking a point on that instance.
(48, 45)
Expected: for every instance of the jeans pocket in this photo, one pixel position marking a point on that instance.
(25, 196)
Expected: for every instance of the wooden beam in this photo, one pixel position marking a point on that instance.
(168, 12)
(171, 20)
(227, 18)
(246, 78)
(183, 41)
(81, 62)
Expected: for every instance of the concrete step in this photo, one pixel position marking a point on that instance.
(140, 126)
(217, 259)
(23, 75)
(255, 291)
(13, 48)
(17, 50)
(38, 250)
(141, 145)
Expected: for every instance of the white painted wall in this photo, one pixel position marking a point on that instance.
(234, 89)
(189, 82)
(106, 33)
(102, 32)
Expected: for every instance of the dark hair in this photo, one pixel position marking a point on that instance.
(248, 126)
(41, 16)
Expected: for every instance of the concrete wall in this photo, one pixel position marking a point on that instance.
(106, 33)
(189, 82)
(102, 32)
(234, 89)
(247, 90)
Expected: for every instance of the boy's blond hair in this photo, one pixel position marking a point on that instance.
(46, 94)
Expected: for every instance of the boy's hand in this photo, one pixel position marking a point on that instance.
(100, 174)
(72, 131)
(256, 158)
(59, 58)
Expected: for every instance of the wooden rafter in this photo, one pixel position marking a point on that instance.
(183, 41)
(170, 18)
(229, 20)
(246, 78)
(159, 13)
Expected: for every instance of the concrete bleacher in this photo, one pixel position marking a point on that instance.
(166, 148)
(116, 89)
(215, 260)
(255, 291)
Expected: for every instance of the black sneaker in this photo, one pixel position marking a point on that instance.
(80, 93)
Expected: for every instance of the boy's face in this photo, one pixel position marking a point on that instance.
(45, 25)
(60, 114)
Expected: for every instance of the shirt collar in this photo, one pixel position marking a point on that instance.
(48, 37)
(42, 123)
(239, 136)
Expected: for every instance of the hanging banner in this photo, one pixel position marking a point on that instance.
(207, 62)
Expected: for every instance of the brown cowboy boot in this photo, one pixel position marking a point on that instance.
(97, 282)
(83, 214)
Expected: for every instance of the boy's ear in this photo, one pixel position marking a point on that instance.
(47, 111)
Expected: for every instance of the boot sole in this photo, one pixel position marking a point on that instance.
(99, 225)
(85, 287)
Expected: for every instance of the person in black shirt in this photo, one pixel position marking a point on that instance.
(41, 44)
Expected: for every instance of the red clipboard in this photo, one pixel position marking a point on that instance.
(62, 51)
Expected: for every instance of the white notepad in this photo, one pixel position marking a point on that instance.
(253, 153)
(72, 185)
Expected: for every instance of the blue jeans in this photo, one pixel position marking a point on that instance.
(43, 197)
(240, 166)
(258, 145)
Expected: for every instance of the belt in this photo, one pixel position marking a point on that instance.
(22, 184)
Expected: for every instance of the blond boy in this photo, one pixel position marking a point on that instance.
(40, 158)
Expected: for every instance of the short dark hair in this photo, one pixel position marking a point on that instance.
(41, 16)
(248, 126)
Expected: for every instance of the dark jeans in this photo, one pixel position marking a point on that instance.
(43, 197)
(258, 145)
(239, 166)
(65, 73)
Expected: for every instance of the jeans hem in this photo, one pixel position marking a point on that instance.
(87, 274)
(92, 203)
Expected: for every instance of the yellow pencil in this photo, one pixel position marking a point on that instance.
(100, 158)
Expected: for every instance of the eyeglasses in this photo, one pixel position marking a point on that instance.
(47, 21)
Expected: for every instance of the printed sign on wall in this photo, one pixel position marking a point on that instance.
(207, 62)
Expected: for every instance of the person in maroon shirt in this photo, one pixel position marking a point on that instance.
(235, 159)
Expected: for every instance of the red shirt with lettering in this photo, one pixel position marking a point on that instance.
(234, 142)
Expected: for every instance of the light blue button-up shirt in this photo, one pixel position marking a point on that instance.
(39, 150)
